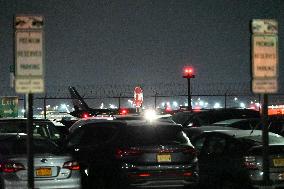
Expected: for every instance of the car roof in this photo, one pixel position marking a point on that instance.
(84, 121)
(12, 134)
(228, 121)
(212, 128)
(238, 133)
(151, 123)
(23, 119)
(124, 123)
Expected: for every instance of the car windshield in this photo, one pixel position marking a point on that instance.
(145, 135)
(273, 139)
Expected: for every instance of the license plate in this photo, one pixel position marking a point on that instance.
(278, 162)
(44, 172)
(164, 158)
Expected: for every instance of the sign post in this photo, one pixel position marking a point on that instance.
(29, 72)
(264, 76)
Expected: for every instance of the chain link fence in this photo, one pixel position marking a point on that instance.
(204, 95)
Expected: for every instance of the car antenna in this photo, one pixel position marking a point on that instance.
(253, 128)
(257, 126)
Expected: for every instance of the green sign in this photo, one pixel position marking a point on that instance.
(9, 106)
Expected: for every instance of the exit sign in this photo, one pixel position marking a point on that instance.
(9, 106)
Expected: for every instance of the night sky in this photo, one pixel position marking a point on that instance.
(142, 42)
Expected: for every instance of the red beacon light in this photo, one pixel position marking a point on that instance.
(188, 72)
(123, 111)
(85, 115)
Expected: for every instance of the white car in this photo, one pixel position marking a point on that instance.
(52, 168)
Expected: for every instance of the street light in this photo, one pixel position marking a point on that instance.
(188, 73)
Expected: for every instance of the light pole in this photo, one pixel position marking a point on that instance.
(188, 73)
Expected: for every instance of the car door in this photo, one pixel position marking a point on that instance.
(93, 145)
(211, 158)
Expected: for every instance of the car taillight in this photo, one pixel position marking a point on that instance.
(250, 162)
(189, 150)
(71, 165)
(11, 167)
(187, 174)
(120, 153)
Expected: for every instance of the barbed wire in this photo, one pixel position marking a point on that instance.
(158, 89)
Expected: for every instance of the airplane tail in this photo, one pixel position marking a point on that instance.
(81, 109)
(78, 102)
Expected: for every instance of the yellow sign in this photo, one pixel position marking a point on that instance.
(265, 56)
(29, 54)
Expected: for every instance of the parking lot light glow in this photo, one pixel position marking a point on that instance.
(175, 104)
(242, 105)
(150, 115)
(217, 105)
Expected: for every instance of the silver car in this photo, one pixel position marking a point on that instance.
(52, 169)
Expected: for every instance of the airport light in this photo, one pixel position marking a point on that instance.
(242, 105)
(175, 104)
(188, 73)
(150, 115)
(217, 105)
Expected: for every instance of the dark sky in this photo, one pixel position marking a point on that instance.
(136, 42)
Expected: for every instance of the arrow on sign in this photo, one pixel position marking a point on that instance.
(8, 111)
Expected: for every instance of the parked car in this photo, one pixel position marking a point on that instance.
(119, 154)
(275, 124)
(246, 124)
(52, 169)
(193, 132)
(233, 159)
(207, 117)
(41, 127)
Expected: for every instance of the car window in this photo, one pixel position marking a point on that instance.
(163, 135)
(74, 139)
(43, 129)
(199, 143)
(12, 127)
(215, 145)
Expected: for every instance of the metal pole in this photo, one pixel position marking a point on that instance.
(225, 100)
(29, 108)
(155, 100)
(188, 95)
(25, 105)
(44, 107)
(119, 100)
(265, 139)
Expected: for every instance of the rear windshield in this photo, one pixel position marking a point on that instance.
(181, 117)
(151, 135)
(14, 146)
